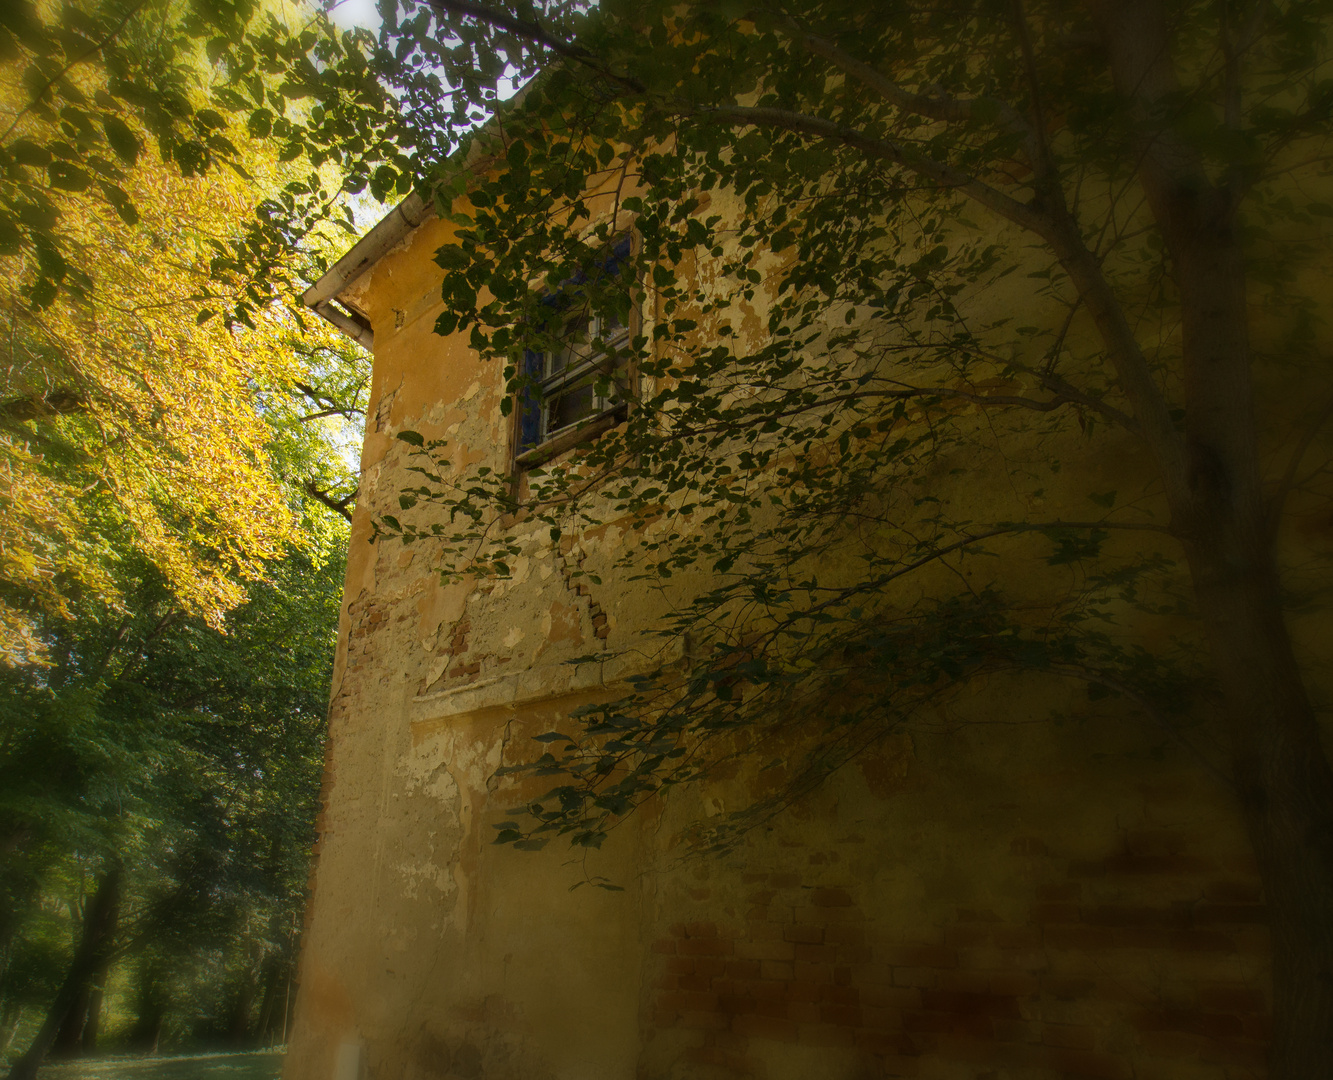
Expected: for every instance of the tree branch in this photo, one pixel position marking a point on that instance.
(935, 107)
(946, 176)
(1278, 498)
(57, 403)
(533, 31)
(338, 506)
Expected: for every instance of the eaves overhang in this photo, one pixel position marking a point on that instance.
(324, 296)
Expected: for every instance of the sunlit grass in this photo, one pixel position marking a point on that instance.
(262, 1065)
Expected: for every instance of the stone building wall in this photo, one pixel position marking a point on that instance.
(992, 895)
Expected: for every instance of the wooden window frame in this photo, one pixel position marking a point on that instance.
(549, 385)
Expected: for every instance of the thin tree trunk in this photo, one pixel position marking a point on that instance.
(272, 980)
(69, 1039)
(92, 1028)
(99, 927)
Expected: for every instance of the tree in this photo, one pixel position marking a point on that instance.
(143, 401)
(1040, 282)
(164, 775)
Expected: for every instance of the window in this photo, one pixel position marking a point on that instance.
(575, 390)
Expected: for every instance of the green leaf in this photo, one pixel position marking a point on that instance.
(68, 177)
(412, 437)
(121, 139)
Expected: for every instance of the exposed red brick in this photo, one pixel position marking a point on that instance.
(891, 997)
(701, 930)
(763, 930)
(964, 982)
(703, 1020)
(831, 898)
(1067, 989)
(766, 1027)
(1083, 1065)
(1202, 941)
(742, 969)
(1081, 937)
(927, 1021)
(704, 947)
(709, 965)
(769, 990)
(1190, 1021)
(765, 950)
(1237, 892)
(842, 1015)
(1130, 915)
(1129, 863)
(813, 972)
(908, 976)
(840, 995)
(1055, 913)
(1233, 999)
(827, 1035)
(784, 881)
(1017, 937)
(837, 916)
(775, 969)
(967, 937)
(844, 935)
(799, 932)
(970, 1004)
(680, 965)
(1072, 1036)
(1230, 913)
(1014, 983)
(938, 956)
(815, 954)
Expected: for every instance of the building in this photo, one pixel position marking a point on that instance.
(998, 900)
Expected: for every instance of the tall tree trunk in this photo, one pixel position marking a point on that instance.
(272, 980)
(69, 1039)
(92, 1027)
(1286, 790)
(239, 1028)
(1219, 510)
(99, 928)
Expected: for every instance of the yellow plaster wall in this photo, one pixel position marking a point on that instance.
(994, 895)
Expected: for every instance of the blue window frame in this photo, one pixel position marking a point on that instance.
(581, 380)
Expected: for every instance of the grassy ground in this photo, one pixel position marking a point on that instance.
(262, 1065)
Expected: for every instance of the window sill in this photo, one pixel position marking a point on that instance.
(567, 440)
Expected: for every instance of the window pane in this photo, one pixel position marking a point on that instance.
(574, 349)
(570, 406)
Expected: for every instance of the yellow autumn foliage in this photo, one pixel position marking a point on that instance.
(125, 425)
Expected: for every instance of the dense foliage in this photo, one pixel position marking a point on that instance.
(186, 758)
(151, 248)
(174, 435)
